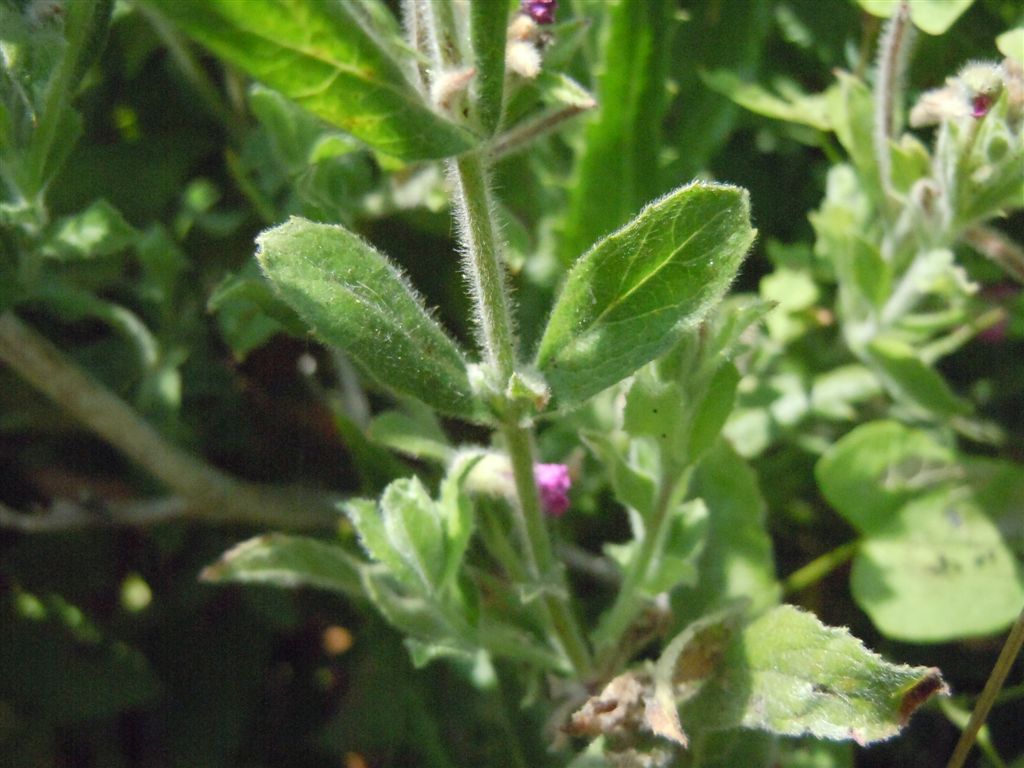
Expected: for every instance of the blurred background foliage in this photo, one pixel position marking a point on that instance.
(112, 653)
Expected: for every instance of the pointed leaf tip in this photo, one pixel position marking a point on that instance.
(352, 296)
(632, 295)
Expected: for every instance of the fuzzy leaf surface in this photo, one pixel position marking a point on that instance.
(633, 295)
(737, 562)
(288, 561)
(353, 297)
(325, 57)
(789, 674)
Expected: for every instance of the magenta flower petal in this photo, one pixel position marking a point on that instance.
(980, 105)
(553, 482)
(541, 11)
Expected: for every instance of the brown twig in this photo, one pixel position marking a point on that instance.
(206, 492)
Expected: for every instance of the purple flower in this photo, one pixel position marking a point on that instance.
(980, 105)
(541, 11)
(553, 482)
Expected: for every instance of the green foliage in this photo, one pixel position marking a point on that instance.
(799, 677)
(634, 293)
(932, 16)
(288, 562)
(929, 527)
(656, 468)
(338, 67)
(350, 295)
(618, 171)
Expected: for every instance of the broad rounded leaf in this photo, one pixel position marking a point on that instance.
(878, 467)
(631, 296)
(323, 57)
(943, 544)
(931, 16)
(1011, 44)
(352, 296)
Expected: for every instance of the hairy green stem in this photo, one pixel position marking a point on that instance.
(1012, 646)
(490, 296)
(537, 549)
(892, 65)
(819, 568)
(484, 270)
(211, 495)
(627, 605)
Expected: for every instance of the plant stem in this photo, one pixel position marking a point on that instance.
(627, 604)
(1002, 667)
(819, 568)
(211, 494)
(537, 549)
(490, 295)
(484, 269)
(892, 65)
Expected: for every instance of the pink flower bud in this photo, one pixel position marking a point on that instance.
(541, 11)
(553, 482)
(980, 105)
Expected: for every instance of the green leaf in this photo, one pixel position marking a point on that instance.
(352, 296)
(711, 414)
(487, 30)
(931, 526)
(373, 537)
(658, 409)
(789, 674)
(322, 56)
(412, 524)
(726, 34)
(99, 230)
(288, 561)
(249, 312)
(47, 59)
(632, 485)
(633, 295)
(685, 537)
(1011, 44)
(793, 107)
(374, 464)
(834, 393)
(414, 432)
(852, 111)
(618, 170)
(938, 570)
(457, 513)
(932, 16)
(914, 381)
(737, 560)
(412, 614)
(878, 467)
